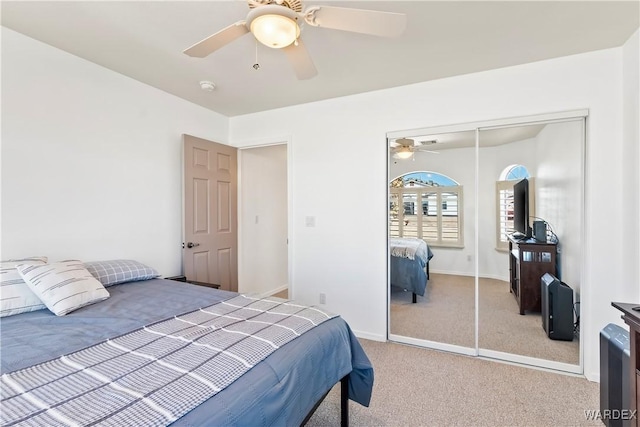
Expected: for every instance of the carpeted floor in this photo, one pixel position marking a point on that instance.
(446, 314)
(421, 387)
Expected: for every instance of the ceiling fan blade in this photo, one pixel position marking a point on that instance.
(217, 40)
(300, 60)
(377, 23)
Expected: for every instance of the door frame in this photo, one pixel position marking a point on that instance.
(260, 143)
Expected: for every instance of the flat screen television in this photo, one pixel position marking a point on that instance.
(521, 209)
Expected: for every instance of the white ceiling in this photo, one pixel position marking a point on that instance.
(145, 39)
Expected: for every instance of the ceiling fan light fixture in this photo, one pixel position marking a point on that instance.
(274, 26)
(403, 153)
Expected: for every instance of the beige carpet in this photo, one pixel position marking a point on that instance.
(446, 314)
(420, 387)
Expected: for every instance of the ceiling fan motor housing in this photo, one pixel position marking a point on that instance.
(295, 5)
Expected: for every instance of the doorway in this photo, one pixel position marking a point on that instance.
(263, 216)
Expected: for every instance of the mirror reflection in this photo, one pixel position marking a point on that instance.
(529, 240)
(431, 257)
(529, 208)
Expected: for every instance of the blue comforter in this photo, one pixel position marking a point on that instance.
(409, 273)
(281, 390)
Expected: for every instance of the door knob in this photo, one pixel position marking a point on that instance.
(192, 245)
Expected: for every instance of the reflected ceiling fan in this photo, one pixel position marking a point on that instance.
(403, 148)
(276, 24)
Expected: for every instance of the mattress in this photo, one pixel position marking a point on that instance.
(282, 389)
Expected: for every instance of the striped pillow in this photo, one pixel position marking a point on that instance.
(15, 295)
(63, 286)
(120, 271)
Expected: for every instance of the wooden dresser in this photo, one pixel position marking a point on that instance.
(528, 262)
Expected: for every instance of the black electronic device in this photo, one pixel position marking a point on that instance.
(521, 208)
(540, 231)
(557, 308)
(614, 378)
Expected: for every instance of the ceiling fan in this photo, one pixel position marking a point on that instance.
(277, 24)
(403, 148)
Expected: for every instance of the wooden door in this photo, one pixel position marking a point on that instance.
(210, 180)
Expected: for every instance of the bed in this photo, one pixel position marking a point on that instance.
(409, 265)
(282, 389)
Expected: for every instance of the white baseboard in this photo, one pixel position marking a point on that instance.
(370, 336)
(495, 277)
(467, 274)
(593, 377)
(453, 273)
(274, 291)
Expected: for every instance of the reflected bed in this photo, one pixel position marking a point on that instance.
(409, 264)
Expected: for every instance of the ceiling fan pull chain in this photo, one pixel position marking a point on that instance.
(256, 66)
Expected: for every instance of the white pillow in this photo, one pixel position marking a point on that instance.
(15, 295)
(63, 286)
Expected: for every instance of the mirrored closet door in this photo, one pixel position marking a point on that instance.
(431, 195)
(492, 213)
(533, 177)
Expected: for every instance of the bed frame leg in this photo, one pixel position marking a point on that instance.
(414, 300)
(344, 401)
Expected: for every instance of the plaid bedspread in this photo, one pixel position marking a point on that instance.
(154, 375)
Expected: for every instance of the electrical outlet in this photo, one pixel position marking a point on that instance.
(323, 298)
(310, 221)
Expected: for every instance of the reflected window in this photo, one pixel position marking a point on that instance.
(514, 173)
(504, 198)
(431, 208)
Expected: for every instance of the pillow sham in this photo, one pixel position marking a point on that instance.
(63, 286)
(15, 295)
(118, 271)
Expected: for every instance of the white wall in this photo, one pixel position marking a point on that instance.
(263, 217)
(91, 159)
(631, 164)
(559, 180)
(345, 257)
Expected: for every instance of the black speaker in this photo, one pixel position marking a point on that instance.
(557, 308)
(540, 231)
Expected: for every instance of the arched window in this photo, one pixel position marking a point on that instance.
(514, 173)
(426, 205)
(504, 198)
